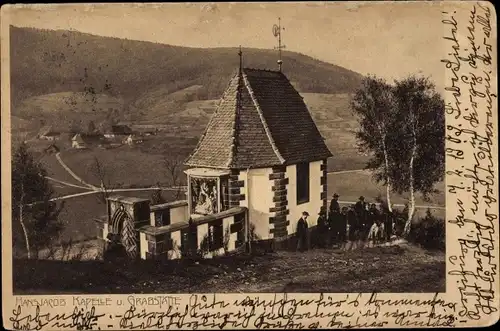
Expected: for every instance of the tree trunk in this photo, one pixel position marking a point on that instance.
(386, 159)
(25, 231)
(411, 207)
(388, 178)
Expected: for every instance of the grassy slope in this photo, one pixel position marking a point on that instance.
(63, 77)
(385, 269)
(124, 166)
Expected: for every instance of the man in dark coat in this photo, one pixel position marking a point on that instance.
(361, 214)
(373, 214)
(360, 206)
(322, 230)
(352, 220)
(334, 204)
(302, 232)
(343, 226)
(333, 218)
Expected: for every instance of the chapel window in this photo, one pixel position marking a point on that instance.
(302, 182)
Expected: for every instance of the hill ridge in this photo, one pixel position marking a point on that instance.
(49, 61)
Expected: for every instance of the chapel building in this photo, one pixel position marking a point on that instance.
(261, 150)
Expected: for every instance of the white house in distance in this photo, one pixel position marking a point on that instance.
(132, 140)
(48, 133)
(77, 142)
(261, 150)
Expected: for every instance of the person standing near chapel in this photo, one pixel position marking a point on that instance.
(361, 210)
(343, 227)
(333, 218)
(322, 230)
(334, 204)
(361, 207)
(302, 227)
(373, 214)
(352, 220)
(373, 224)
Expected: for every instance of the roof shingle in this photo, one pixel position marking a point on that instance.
(261, 121)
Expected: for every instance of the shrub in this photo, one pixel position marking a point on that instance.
(227, 238)
(204, 248)
(429, 232)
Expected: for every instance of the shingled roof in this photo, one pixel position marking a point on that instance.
(261, 121)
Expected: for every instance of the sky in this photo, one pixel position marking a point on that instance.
(387, 39)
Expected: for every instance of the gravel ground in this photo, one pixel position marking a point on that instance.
(402, 268)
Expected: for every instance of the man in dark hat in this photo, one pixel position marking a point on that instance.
(333, 219)
(322, 229)
(334, 204)
(302, 227)
(360, 205)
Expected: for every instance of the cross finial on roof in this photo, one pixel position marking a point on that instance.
(277, 33)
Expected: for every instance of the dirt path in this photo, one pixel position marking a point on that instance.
(75, 176)
(76, 195)
(66, 183)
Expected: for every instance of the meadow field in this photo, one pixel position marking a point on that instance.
(124, 166)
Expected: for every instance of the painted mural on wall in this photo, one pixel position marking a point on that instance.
(204, 195)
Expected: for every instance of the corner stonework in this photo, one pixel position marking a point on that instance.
(324, 185)
(235, 188)
(280, 208)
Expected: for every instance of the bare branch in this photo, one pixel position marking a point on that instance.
(173, 167)
(103, 175)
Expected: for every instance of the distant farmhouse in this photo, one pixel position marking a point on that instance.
(92, 139)
(47, 133)
(118, 130)
(145, 130)
(77, 142)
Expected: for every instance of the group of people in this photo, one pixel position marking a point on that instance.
(358, 222)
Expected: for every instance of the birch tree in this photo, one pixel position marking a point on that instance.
(402, 126)
(373, 104)
(418, 148)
